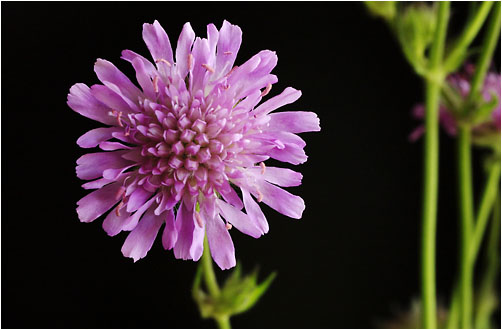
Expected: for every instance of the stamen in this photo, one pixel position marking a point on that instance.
(190, 60)
(230, 72)
(260, 196)
(263, 168)
(119, 116)
(127, 132)
(156, 84)
(227, 53)
(199, 219)
(120, 193)
(163, 61)
(208, 68)
(229, 226)
(267, 90)
(117, 210)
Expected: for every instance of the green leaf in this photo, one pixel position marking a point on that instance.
(385, 9)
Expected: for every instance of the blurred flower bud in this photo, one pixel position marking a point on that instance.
(384, 9)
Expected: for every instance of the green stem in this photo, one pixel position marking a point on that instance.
(223, 322)
(208, 271)
(487, 298)
(489, 42)
(468, 34)
(466, 223)
(454, 312)
(431, 164)
(487, 202)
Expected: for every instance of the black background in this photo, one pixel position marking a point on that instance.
(350, 262)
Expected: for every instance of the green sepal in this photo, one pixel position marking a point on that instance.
(238, 294)
(384, 9)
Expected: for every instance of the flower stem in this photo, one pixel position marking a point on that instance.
(208, 271)
(487, 298)
(487, 203)
(468, 34)
(487, 48)
(466, 223)
(431, 163)
(223, 322)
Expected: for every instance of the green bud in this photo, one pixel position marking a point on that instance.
(238, 294)
(385, 9)
(415, 27)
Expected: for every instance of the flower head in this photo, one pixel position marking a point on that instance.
(181, 149)
(460, 84)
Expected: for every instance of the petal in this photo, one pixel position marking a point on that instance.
(280, 200)
(229, 42)
(96, 184)
(239, 219)
(140, 240)
(254, 74)
(294, 122)
(98, 202)
(81, 100)
(291, 153)
(289, 95)
(220, 243)
(157, 41)
(201, 56)
(170, 234)
(190, 243)
(130, 56)
(185, 42)
(132, 221)
(114, 223)
(230, 196)
(277, 175)
(91, 166)
(95, 136)
(254, 211)
(143, 77)
(113, 99)
(108, 73)
(137, 199)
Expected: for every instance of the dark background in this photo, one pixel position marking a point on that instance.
(351, 262)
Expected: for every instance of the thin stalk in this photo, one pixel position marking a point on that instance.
(454, 312)
(466, 224)
(487, 300)
(208, 271)
(489, 43)
(431, 164)
(223, 322)
(486, 206)
(470, 32)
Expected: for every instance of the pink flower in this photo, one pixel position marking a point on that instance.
(461, 83)
(176, 150)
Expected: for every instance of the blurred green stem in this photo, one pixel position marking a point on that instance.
(487, 299)
(212, 284)
(431, 163)
(468, 34)
(466, 224)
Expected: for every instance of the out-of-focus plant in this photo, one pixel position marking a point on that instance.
(421, 30)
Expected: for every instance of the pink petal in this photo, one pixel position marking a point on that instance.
(91, 166)
(170, 234)
(294, 122)
(291, 153)
(201, 56)
(98, 202)
(130, 56)
(289, 95)
(157, 41)
(81, 100)
(143, 77)
(114, 223)
(185, 42)
(114, 100)
(230, 196)
(280, 200)
(140, 240)
(229, 42)
(190, 243)
(254, 211)
(137, 199)
(95, 136)
(280, 176)
(220, 243)
(108, 73)
(239, 219)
